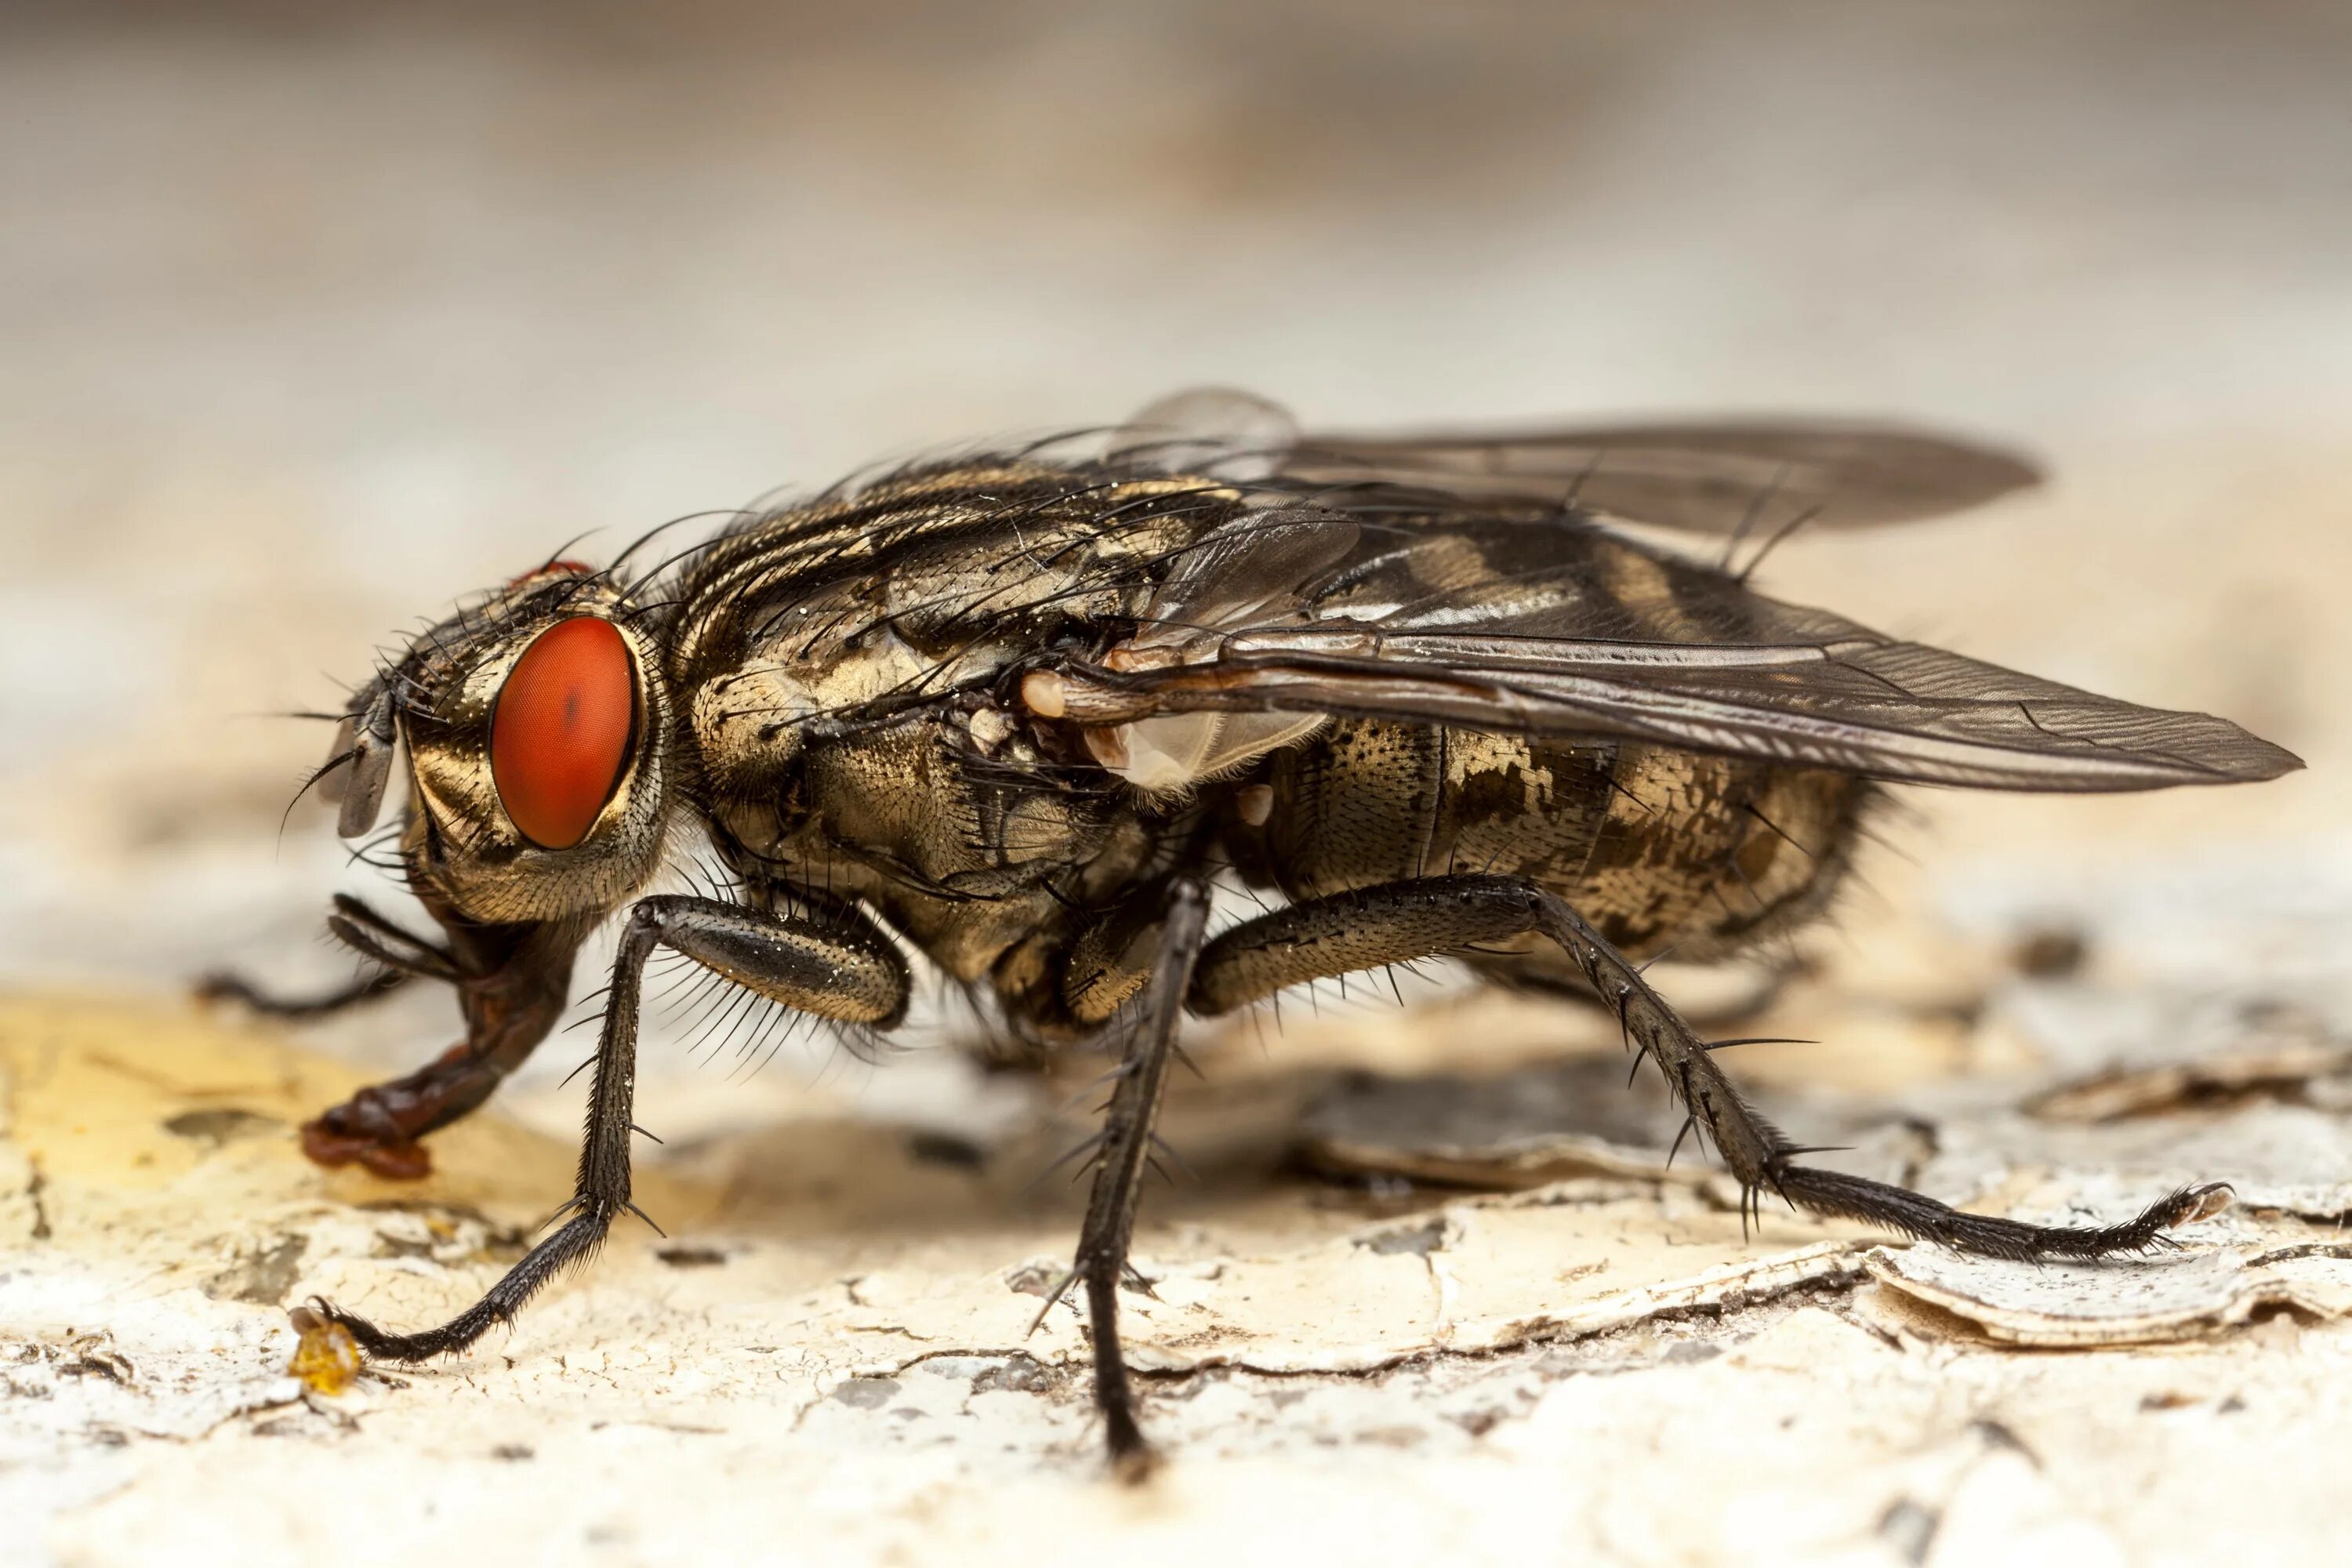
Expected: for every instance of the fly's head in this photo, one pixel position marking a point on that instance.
(535, 729)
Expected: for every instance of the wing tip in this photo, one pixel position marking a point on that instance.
(1968, 472)
(2007, 471)
(2265, 761)
(2248, 758)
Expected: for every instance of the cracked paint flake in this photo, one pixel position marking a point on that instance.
(2150, 1300)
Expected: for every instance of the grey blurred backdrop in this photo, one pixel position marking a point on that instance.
(315, 317)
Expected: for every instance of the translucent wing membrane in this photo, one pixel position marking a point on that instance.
(1750, 477)
(1549, 625)
(1720, 479)
(1212, 430)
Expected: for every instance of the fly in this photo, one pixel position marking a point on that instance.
(1023, 711)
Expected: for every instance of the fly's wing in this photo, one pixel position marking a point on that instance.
(1747, 478)
(1751, 478)
(1566, 629)
(1219, 431)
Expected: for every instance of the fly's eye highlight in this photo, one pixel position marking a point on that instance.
(560, 732)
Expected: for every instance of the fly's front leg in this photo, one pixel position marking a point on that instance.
(238, 989)
(512, 982)
(1436, 916)
(395, 957)
(1125, 1148)
(836, 966)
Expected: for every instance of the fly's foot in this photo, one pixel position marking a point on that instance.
(1134, 1461)
(394, 1161)
(380, 1126)
(2191, 1204)
(373, 1343)
(326, 1356)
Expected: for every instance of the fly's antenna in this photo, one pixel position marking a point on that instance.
(372, 738)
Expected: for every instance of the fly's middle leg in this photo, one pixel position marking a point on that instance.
(836, 966)
(1439, 916)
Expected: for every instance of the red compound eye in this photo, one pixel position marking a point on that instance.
(562, 730)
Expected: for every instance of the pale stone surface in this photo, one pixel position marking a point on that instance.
(1600, 1358)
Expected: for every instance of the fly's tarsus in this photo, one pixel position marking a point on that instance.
(363, 988)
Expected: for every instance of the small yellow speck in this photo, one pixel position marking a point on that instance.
(327, 1358)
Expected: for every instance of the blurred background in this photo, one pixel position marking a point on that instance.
(318, 316)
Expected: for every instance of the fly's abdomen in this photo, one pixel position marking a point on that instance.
(1368, 800)
(1657, 847)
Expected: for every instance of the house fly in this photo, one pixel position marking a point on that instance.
(1027, 712)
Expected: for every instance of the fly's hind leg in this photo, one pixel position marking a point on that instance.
(836, 965)
(1436, 916)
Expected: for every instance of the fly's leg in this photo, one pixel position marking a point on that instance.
(1440, 915)
(836, 967)
(513, 983)
(396, 954)
(238, 989)
(1124, 1152)
(381, 1126)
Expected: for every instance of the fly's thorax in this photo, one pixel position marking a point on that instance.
(536, 731)
(939, 557)
(753, 721)
(968, 843)
(843, 668)
(948, 816)
(814, 620)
